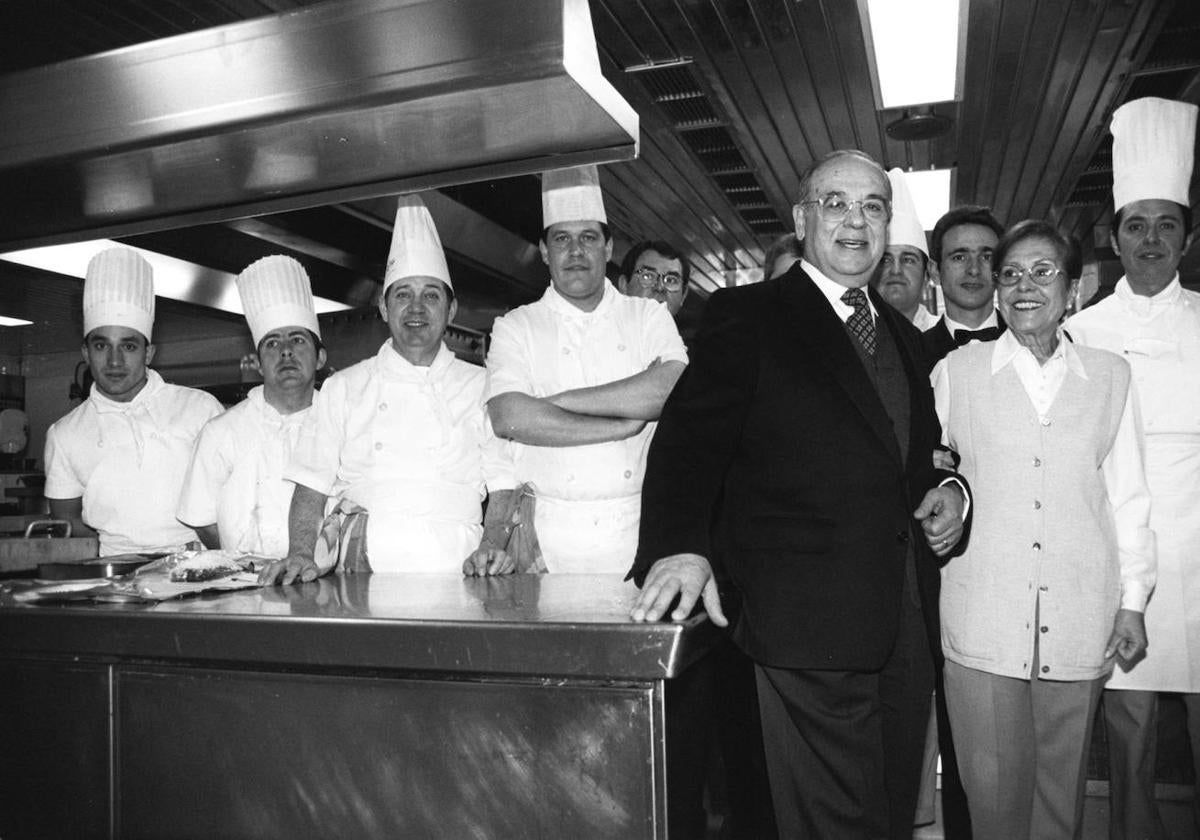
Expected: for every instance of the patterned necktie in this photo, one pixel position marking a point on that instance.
(860, 322)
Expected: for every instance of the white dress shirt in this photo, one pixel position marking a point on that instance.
(126, 460)
(235, 478)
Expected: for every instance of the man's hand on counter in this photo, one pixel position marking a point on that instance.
(486, 561)
(688, 576)
(289, 570)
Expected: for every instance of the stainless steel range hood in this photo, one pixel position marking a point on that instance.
(340, 101)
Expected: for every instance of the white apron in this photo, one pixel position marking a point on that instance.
(588, 536)
(417, 521)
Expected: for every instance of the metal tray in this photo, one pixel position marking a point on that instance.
(102, 567)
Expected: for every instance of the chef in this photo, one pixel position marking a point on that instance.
(576, 379)
(400, 440)
(115, 463)
(1154, 324)
(900, 278)
(234, 493)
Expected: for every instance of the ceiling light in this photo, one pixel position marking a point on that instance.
(6, 321)
(915, 50)
(173, 278)
(931, 190)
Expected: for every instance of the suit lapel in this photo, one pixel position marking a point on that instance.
(828, 341)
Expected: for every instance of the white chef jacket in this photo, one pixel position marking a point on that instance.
(235, 478)
(588, 497)
(923, 319)
(412, 445)
(127, 460)
(1160, 338)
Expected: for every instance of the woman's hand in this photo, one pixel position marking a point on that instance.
(1128, 640)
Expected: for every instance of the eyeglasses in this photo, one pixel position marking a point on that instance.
(1042, 273)
(649, 278)
(835, 206)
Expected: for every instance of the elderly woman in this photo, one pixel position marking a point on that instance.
(1051, 587)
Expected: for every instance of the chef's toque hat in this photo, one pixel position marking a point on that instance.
(904, 228)
(118, 291)
(276, 293)
(1153, 146)
(416, 248)
(572, 195)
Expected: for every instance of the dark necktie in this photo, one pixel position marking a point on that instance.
(861, 325)
(962, 337)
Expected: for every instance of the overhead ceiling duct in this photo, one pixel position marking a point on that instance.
(336, 102)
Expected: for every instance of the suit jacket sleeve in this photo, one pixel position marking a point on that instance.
(698, 434)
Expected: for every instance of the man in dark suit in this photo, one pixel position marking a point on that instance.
(795, 457)
(961, 246)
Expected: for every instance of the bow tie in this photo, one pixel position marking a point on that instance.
(962, 337)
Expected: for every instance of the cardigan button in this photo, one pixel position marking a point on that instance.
(902, 536)
(1037, 505)
(1037, 546)
(1045, 629)
(1045, 669)
(1037, 462)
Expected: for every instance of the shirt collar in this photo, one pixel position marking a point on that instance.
(106, 405)
(1006, 348)
(561, 306)
(989, 321)
(1170, 295)
(396, 365)
(833, 291)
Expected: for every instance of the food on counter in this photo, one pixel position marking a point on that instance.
(208, 565)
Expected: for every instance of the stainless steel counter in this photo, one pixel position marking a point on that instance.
(361, 706)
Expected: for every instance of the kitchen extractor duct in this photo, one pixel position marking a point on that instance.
(333, 103)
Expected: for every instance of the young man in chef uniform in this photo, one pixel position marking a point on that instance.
(234, 493)
(576, 379)
(116, 462)
(402, 436)
(1154, 324)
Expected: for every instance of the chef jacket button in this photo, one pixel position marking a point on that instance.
(1037, 505)
(383, 406)
(1045, 629)
(570, 478)
(1045, 669)
(1037, 462)
(621, 347)
(629, 473)
(566, 351)
(378, 446)
(1037, 546)
(1045, 421)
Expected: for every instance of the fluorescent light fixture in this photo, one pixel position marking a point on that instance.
(6, 321)
(173, 278)
(931, 190)
(915, 49)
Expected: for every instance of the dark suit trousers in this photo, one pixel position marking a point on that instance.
(845, 762)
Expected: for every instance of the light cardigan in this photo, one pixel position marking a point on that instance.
(1061, 534)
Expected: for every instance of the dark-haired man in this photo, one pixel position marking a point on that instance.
(654, 269)
(795, 456)
(961, 247)
(1154, 323)
(396, 457)
(576, 380)
(234, 493)
(115, 463)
